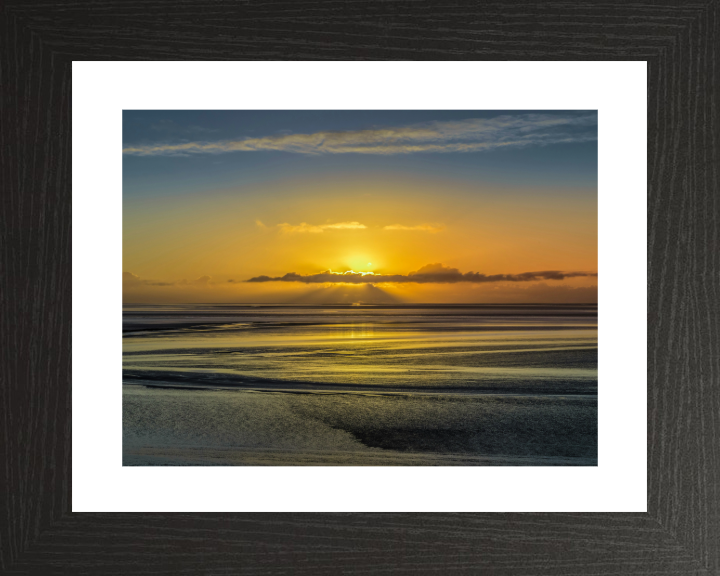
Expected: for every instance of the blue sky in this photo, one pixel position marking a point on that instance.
(564, 166)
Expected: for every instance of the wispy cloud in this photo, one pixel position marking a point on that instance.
(471, 135)
(431, 273)
(420, 227)
(304, 227)
(315, 229)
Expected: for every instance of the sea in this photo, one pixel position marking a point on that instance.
(360, 385)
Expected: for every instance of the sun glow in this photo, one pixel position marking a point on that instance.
(361, 260)
(353, 272)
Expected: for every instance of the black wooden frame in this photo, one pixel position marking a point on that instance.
(680, 534)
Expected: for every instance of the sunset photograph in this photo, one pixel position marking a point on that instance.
(360, 288)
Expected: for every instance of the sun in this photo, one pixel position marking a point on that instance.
(359, 261)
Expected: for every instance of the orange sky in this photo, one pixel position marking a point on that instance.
(202, 245)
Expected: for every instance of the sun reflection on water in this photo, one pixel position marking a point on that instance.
(356, 331)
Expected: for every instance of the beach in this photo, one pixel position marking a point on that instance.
(371, 385)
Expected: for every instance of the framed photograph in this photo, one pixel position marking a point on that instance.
(334, 317)
(367, 345)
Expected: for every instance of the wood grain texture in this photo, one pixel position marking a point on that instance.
(681, 532)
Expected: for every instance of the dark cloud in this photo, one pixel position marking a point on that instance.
(431, 273)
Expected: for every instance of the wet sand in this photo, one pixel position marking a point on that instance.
(468, 385)
(267, 428)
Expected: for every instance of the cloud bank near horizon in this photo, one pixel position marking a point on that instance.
(470, 135)
(431, 273)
